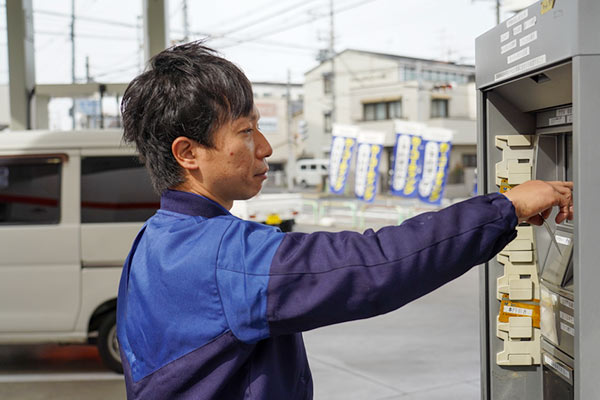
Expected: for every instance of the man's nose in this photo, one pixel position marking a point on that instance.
(263, 147)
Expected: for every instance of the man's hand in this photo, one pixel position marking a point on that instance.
(533, 200)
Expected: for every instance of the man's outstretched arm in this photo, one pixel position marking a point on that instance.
(322, 278)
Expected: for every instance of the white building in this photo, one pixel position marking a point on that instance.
(371, 90)
(271, 100)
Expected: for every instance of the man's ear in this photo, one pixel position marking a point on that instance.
(185, 152)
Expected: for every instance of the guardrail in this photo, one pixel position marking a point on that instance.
(390, 212)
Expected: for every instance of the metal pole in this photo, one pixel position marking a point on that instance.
(73, 57)
(102, 90)
(332, 59)
(497, 12)
(140, 42)
(186, 24)
(291, 164)
(88, 78)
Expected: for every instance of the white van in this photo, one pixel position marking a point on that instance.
(310, 172)
(71, 204)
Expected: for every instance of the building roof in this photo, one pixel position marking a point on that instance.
(276, 84)
(397, 58)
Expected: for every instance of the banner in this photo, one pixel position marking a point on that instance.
(342, 147)
(368, 158)
(407, 160)
(437, 143)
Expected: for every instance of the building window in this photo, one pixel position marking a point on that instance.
(30, 190)
(439, 108)
(327, 123)
(395, 109)
(107, 192)
(410, 73)
(382, 110)
(469, 160)
(327, 83)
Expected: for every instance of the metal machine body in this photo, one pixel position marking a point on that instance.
(538, 81)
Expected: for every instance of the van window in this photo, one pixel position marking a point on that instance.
(303, 167)
(313, 167)
(116, 189)
(30, 190)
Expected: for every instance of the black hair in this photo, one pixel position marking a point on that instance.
(188, 90)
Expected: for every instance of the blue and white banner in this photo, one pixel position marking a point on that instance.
(342, 147)
(407, 159)
(368, 159)
(437, 143)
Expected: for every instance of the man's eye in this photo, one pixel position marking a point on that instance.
(248, 131)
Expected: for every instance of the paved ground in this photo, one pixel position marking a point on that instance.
(427, 350)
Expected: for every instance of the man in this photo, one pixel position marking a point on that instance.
(211, 306)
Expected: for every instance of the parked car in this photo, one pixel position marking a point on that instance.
(277, 209)
(70, 205)
(311, 171)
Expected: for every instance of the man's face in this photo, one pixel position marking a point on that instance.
(236, 167)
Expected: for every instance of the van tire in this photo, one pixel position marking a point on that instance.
(304, 184)
(108, 346)
(287, 225)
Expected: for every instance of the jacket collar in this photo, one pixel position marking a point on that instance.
(190, 204)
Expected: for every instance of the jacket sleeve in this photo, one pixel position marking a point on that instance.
(272, 283)
(324, 278)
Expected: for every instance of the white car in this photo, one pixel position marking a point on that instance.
(311, 171)
(71, 204)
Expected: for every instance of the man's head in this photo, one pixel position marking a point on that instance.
(180, 114)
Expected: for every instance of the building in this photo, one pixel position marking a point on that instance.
(372, 90)
(271, 99)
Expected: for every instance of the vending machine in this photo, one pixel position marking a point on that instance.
(538, 83)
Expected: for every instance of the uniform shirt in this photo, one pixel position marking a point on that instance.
(211, 306)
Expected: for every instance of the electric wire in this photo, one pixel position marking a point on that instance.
(300, 23)
(89, 19)
(263, 19)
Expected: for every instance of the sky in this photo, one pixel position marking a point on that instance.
(266, 38)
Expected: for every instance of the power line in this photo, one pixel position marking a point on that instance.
(84, 18)
(114, 71)
(303, 22)
(262, 19)
(84, 35)
(207, 36)
(245, 14)
(313, 12)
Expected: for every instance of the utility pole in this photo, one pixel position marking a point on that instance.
(140, 42)
(73, 109)
(88, 78)
(186, 24)
(332, 60)
(497, 12)
(291, 164)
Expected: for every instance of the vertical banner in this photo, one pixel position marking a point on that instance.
(368, 158)
(342, 147)
(437, 143)
(407, 161)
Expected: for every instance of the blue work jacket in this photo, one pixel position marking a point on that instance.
(211, 306)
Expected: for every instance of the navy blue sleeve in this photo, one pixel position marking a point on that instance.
(324, 278)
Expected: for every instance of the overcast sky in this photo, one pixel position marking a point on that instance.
(264, 37)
